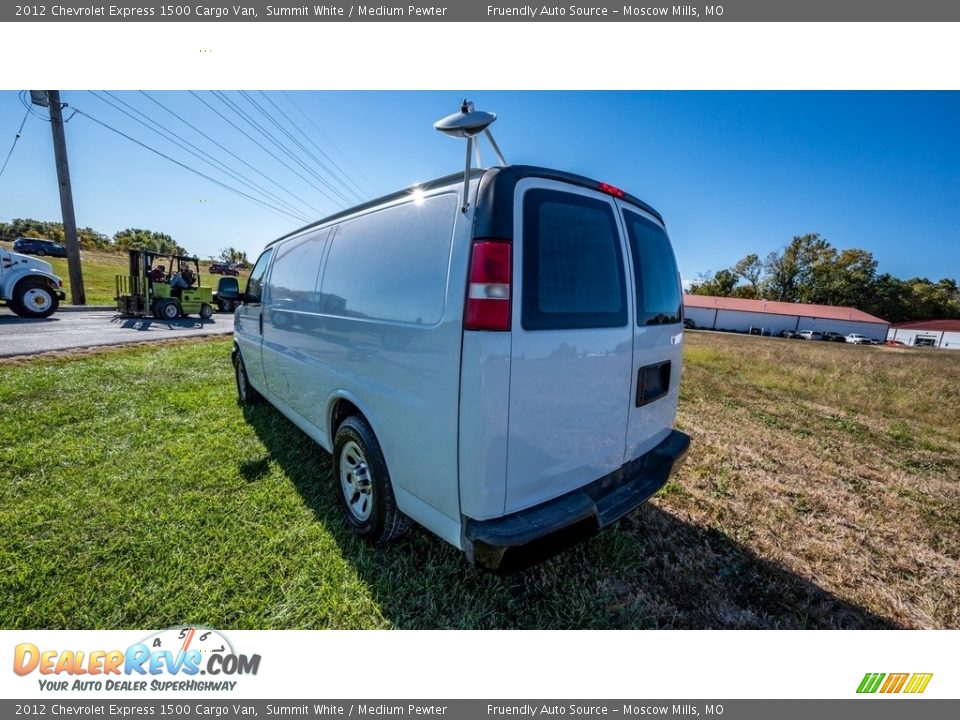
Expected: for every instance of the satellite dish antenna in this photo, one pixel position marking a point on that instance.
(467, 124)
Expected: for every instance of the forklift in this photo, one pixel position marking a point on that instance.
(163, 285)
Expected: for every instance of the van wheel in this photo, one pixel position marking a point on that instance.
(365, 494)
(245, 391)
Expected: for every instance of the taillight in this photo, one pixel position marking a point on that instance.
(488, 291)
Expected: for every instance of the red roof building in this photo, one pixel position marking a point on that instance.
(772, 317)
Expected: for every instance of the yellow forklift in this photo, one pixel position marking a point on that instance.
(163, 285)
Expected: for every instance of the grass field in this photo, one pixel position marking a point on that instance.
(101, 268)
(822, 491)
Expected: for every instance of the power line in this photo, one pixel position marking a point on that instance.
(15, 138)
(260, 145)
(327, 138)
(266, 205)
(341, 202)
(229, 152)
(341, 177)
(202, 155)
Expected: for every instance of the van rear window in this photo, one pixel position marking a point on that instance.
(572, 264)
(658, 283)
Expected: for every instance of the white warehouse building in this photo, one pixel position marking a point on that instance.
(927, 333)
(724, 313)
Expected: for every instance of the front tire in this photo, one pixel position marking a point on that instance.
(34, 299)
(246, 394)
(363, 483)
(206, 311)
(168, 309)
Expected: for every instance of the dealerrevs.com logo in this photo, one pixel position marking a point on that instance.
(909, 683)
(172, 659)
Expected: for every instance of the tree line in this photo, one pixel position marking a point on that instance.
(811, 270)
(120, 241)
(91, 239)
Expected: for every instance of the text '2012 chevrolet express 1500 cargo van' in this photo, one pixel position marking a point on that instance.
(496, 357)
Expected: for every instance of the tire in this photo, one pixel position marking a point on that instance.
(206, 311)
(33, 298)
(167, 309)
(226, 306)
(363, 485)
(41, 253)
(246, 393)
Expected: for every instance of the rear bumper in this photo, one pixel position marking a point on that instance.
(523, 538)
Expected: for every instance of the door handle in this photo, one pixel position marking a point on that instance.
(260, 317)
(653, 382)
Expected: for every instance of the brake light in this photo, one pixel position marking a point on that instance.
(488, 291)
(611, 190)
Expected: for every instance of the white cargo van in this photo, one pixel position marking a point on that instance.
(502, 368)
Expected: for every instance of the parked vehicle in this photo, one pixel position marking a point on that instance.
(858, 339)
(223, 269)
(895, 343)
(790, 334)
(39, 247)
(28, 285)
(689, 324)
(495, 355)
(831, 336)
(810, 335)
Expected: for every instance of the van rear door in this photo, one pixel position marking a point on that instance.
(572, 341)
(657, 331)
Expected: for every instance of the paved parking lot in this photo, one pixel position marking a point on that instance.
(74, 329)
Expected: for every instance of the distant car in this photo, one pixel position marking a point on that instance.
(689, 324)
(790, 334)
(894, 343)
(223, 269)
(831, 336)
(856, 339)
(37, 246)
(810, 335)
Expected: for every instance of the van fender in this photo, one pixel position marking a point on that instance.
(332, 399)
(10, 279)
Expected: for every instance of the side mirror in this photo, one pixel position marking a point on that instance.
(229, 287)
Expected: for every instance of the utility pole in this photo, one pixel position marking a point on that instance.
(77, 294)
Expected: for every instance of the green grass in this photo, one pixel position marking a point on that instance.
(100, 270)
(135, 492)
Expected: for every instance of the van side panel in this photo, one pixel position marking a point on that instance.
(385, 330)
(484, 414)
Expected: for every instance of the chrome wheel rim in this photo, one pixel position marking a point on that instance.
(355, 481)
(37, 299)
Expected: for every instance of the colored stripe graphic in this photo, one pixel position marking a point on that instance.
(918, 683)
(870, 682)
(894, 682)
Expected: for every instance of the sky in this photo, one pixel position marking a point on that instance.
(731, 172)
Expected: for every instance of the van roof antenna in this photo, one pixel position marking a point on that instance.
(467, 124)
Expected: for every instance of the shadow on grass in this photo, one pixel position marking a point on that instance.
(651, 570)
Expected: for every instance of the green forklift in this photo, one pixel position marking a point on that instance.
(164, 286)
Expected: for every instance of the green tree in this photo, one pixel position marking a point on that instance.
(720, 284)
(146, 240)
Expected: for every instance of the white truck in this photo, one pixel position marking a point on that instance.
(28, 285)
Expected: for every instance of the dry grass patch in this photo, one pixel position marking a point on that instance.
(840, 463)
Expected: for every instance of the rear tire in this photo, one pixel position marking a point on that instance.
(246, 394)
(206, 311)
(34, 299)
(363, 485)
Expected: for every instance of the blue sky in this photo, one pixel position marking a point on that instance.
(732, 172)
